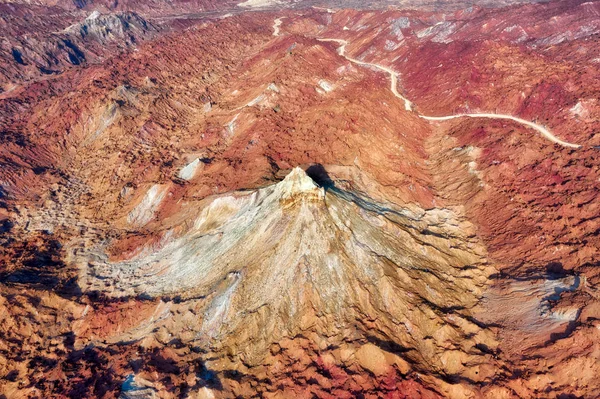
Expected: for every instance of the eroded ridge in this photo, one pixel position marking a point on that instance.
(314, 260)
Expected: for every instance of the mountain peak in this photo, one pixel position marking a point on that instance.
(298, 183)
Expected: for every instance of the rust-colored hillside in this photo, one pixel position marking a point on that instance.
(298, 200)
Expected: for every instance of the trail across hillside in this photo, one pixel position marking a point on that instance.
(276, 25)
(545, 132)
(393, 75)
(409, 106)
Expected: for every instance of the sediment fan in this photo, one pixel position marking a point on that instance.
(329, 263)
(314, 258)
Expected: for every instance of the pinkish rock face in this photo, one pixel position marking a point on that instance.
(271, 199)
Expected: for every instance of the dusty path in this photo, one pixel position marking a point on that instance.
(276, 25)
(409, 107)
(545, 132)
(393, 75)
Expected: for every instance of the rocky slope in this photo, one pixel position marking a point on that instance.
(215, 210)
(32, 54)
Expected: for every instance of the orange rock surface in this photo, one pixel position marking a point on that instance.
(195, 204)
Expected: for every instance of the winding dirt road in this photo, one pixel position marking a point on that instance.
(409, 106)
(541, 129)
(276, 25)
(393, 75)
